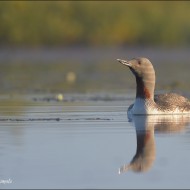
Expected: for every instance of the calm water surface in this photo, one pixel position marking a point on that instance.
(89, 142)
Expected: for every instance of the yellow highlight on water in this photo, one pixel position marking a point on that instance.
(59, 97)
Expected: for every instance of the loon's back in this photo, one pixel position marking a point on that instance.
(172, 102)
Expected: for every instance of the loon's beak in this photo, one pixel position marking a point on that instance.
(124, 62)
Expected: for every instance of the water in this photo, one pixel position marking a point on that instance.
(87, 141)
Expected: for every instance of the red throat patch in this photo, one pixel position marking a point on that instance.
(146, 93)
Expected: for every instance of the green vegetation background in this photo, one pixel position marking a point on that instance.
(63, 23)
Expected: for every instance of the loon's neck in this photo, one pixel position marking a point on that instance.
(145, 89)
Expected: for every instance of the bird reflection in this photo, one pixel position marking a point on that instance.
(145, 127)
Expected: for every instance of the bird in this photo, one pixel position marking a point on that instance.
(146, 103)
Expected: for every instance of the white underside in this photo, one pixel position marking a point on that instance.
(142, 107)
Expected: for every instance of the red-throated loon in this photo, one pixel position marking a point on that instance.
(145, 102)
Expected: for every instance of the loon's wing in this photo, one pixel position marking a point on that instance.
(172, 101)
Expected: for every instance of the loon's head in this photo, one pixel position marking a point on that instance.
(141, 67)
(144, 72)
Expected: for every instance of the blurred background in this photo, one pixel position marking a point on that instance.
(72, 46)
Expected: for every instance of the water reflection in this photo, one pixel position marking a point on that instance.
(145, 127)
